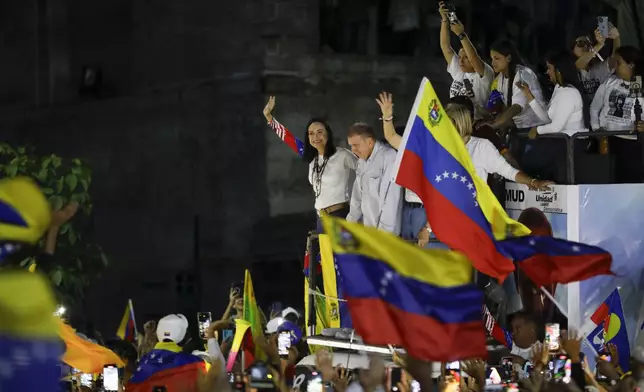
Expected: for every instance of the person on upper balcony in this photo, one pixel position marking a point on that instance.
(471, 76)
(331, 169)
(507, 62)
(376, 200)
(485, 157)
(565, 111)
(593, 71)
(613, 109)
(546, 158)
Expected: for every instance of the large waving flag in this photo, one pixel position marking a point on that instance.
(400, 294)
(176, 371)
(253, 314)
(461, 209)
(127, 328)
(84, 355)
(30, 349)
(608, 326)
(547, 260)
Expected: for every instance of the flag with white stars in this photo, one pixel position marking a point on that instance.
(547, 260)
(398, 293)
(463, 212)
(174, 370)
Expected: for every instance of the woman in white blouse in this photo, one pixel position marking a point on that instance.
(331, 169)
(564, 114)
(507, 63)
(565, 111)
(485, 157)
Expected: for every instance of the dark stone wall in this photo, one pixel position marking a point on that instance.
(177, 135)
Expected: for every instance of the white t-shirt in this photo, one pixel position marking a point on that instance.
(487, 159)
(612, 107)
(480, 84)
(337, 178)
(565, 112)
(527, 118)
(594, 77)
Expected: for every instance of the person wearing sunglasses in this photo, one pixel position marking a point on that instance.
(594, 69)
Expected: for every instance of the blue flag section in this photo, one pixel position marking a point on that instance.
(611, 329)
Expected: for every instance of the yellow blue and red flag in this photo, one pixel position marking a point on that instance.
(167, 366)
(466, 215)
(127, 329)
(461, 209)
(423, 300)
(611, 328)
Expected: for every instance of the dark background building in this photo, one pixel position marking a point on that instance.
(164, 99)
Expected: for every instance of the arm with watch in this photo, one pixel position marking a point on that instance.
(473, 56)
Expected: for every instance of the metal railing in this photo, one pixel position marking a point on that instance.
(570, 145)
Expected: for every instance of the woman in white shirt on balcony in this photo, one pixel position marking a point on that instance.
(485, 157)
(331, 169)
(613, 109)
(564, 114)
(511, 71)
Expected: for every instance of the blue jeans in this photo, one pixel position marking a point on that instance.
(413, 220)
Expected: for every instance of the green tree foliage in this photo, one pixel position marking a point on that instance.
(62, 181)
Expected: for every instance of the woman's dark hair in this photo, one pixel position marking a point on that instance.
(632, 55)
(465, 101)
(564, 63)
(309, 151)
(507, 48)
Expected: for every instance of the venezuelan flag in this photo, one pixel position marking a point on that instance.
(175, 370)
(253, 314)
(462, 210)
(400, 294)
(30, 349)
(127, 329)
(548, 260)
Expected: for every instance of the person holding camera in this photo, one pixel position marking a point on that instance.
(593, 70)
(614, 108)
(471, 75)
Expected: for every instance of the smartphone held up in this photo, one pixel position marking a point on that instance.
(203, 320)
(553, 335)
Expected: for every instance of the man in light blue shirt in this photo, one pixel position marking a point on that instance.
(376, 200)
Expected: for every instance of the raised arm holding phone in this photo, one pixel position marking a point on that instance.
(471, 75)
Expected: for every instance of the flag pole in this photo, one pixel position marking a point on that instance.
(565, 314)
(129, 302)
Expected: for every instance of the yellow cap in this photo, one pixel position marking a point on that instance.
(25, 214)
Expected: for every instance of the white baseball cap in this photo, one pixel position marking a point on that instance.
(273, 325)
(172, 327)
(288, 311)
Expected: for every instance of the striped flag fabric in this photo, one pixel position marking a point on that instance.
(287, 137)
(253, 314)
(421, 299)
(127, 329)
